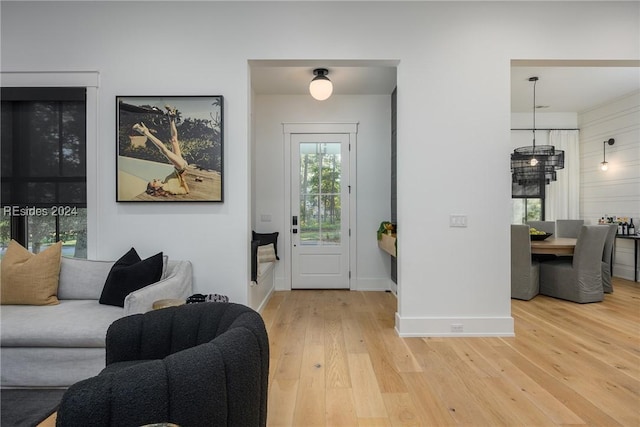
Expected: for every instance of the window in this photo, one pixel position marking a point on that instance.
(320, 193)
(44, 195)
(527, 200)
(523, 210)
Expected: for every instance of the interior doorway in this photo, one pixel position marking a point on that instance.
(361, 98)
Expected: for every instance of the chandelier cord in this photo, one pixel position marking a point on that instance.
(534, 115)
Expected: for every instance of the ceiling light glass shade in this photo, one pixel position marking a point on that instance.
(320, 87)
(604, 166)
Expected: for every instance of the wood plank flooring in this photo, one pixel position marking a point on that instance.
(337, 361)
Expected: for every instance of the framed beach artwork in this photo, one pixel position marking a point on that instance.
(169, 148)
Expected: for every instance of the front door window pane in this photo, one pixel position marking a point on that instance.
(309, 224)
(320, 194)
(330, 219)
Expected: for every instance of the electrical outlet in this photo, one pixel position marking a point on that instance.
(457, 220)
(265, 218)
(457, 327)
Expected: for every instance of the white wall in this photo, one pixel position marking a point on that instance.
(453, 121)
(373, 115)
(616, 191)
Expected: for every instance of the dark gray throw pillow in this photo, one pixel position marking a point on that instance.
(254, 260)
(129, 274)
(266, 238)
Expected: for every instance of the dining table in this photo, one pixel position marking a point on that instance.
(566, 246)
(554, 246)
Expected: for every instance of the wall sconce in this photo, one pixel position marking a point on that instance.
(320, 87)
(605, 165)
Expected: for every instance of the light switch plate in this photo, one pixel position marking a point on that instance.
(457, 220)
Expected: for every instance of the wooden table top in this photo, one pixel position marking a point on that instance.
(554, 245)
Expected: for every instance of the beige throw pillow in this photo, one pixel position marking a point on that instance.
(30, 279)
(266, 253)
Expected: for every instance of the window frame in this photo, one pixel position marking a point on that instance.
(90, 81)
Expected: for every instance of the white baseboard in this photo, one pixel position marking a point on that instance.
(260, 291)
(371, 284)
(358, 284)
(264, 302)
(454, 327)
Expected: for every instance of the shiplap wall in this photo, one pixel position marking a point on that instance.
(616, 191)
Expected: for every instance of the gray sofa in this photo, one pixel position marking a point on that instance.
(59, 345)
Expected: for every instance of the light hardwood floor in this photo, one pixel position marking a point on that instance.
(337, 361)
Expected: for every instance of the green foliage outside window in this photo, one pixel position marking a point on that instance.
(523, 210)
(320, 193)
(200, 140)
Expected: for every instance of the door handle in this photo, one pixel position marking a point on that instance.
(294, 221)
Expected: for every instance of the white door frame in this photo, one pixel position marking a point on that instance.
(326, 128)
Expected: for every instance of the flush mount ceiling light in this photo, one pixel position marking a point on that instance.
(605, 165)
(320, 87)
(535, 164)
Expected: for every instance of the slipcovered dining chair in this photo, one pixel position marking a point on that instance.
(568, 227)
(607, 258)
(524, 272)
(577, 279)
(546, 226)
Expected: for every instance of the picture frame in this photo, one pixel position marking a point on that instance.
(170, 148)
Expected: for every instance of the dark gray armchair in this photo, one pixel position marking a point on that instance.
(524, 271)
(204, 364)
(577, 279)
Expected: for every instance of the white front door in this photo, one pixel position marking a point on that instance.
(320, 211)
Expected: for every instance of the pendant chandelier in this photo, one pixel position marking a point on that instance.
(534, 166)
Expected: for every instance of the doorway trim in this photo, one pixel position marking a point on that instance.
(288, 129)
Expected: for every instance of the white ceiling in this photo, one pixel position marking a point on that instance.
(563, 86)
(348, 77)
(571, 86)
